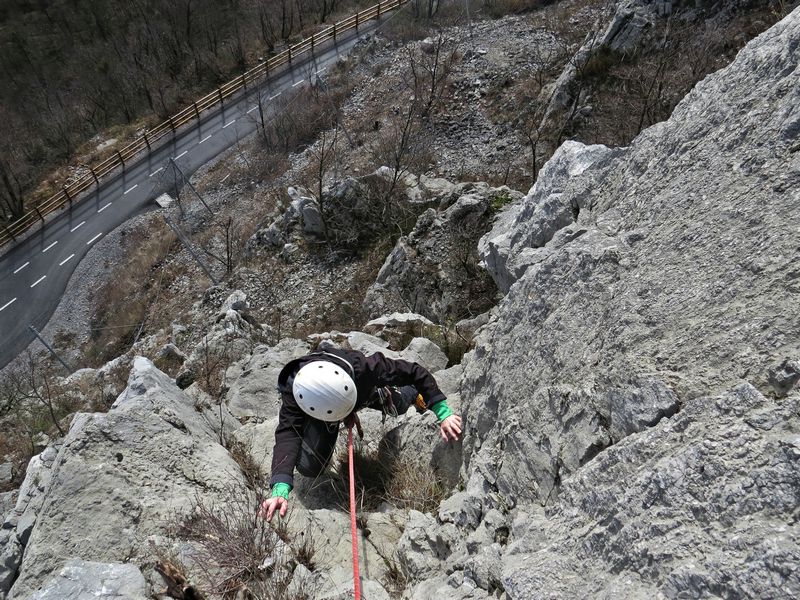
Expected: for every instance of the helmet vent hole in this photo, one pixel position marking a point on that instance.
(311, 407)
(336, 372)
(347, 387)
(321, 367)
(330, 412)
(301, 396)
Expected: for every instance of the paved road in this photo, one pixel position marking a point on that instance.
(34, 274)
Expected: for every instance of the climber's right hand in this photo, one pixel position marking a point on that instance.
(270, 505)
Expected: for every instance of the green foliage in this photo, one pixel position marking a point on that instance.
(500, 200)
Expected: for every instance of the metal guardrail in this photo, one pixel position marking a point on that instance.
(70, 193)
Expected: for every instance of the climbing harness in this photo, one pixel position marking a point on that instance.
(353, 528)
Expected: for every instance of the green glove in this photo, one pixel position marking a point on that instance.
(441, 410)
(282, 490)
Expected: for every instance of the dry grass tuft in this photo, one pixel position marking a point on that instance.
(121, 304)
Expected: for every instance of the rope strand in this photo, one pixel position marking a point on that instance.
(353, 528)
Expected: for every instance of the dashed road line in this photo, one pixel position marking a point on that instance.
(321, 70)
(61, 264)
(38, 281)
(89, 243)
(78, 226)
(296, 83)
(275, 96)
(50, 246)
(105, 207)
(22, 267)
(252, 109)
(229, 124)
(7, 304)
(184, 153)
(205, 139)
(156, 172)
(130, 189)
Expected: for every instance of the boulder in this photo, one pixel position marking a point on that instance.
(86, 580)
(10, 559)
(125, 472)
(434, 271)
(252, 382)
(400, 328)
(6, 473)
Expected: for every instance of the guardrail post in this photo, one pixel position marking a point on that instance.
(66, 193)
(146, 141)
(379, 11)
(356, 21)
(8, 231)
(312, 44)
(290, 54)
(119, 156)
(196, 110)
(244, 82)
(334, 31)
(219, 91)
(171, 124)
(36, 208)
(96, 180)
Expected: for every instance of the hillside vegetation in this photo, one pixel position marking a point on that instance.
(75, 69)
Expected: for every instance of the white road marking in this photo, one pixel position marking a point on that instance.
(275, 96)
(296, 83)
(78, 226)
(157, 171)
(252, 109)
(38, 281)
(22, 267)
(89, 243)
(131, 189)
(184, 153)
(231, 123)
(321, 70)
(61, 264)
(205, 139)
(50, 246)
(7, 304)
(224, 178)
(105, 207)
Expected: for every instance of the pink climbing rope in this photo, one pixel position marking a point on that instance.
(353, 527)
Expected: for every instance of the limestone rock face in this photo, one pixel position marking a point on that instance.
(643, 286)
(121, 474)
(670, 279)
(698, 503)
(434, 270)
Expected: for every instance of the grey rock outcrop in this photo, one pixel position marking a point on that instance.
(641, 290)
(434, 270)
(698, 506)
(232, 337)
(84, 580)
(623, 33)
(129, 469)
(252, 381)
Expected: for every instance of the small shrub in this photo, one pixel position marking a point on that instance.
(239, 552)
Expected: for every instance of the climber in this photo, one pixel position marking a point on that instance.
(324, 388)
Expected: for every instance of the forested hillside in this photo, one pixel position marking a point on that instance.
(73, 68)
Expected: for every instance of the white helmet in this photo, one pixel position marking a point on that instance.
(324, 391)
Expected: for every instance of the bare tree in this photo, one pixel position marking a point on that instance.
(429, 71)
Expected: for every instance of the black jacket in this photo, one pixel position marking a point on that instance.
(370, 372)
